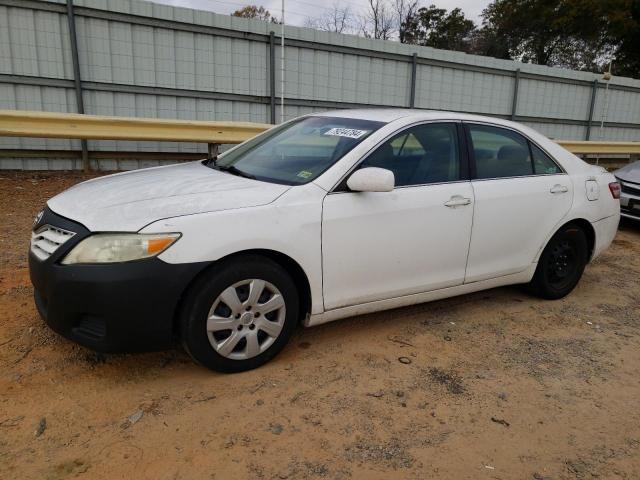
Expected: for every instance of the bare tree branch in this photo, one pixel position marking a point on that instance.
(405, 16)
(377, 21)
(338, 19)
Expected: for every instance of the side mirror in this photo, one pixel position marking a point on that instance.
(371, 179)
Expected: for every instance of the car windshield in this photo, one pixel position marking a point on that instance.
(297, 152)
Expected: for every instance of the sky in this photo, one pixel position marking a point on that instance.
(297, 11)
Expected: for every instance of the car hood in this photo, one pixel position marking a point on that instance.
(128, 201)
(630, 173)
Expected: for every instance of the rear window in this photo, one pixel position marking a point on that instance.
(542, 163)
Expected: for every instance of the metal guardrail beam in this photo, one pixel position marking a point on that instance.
(619, 148)
(18, 123)
(92, 127)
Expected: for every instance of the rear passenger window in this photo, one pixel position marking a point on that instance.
(542, 164)
(499, 152)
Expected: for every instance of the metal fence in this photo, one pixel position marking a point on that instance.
(138, 59)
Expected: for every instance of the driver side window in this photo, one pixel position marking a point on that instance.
(419, 155)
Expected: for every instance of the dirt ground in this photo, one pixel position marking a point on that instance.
(494, 385)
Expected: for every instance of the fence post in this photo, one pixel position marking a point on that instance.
(514, 103)
(76, 77)
(594, 92)
(412, 94)
(272, 76)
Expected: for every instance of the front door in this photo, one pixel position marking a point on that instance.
(381, 245)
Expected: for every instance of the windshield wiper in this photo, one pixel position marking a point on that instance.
(234, 171)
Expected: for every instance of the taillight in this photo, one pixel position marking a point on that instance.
(614, 187)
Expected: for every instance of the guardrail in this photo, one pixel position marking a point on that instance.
(601, 148)
(16, 123)
(19, 123)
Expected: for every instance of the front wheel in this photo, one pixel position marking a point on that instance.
(561, 264)
(241, 315)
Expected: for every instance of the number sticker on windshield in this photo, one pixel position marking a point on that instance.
(346, 132)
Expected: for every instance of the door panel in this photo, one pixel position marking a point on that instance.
(520, 195)
(383, 245)
(512, 219)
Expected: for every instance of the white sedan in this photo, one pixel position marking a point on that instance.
(323, 217)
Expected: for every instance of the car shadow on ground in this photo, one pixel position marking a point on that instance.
(361, 328)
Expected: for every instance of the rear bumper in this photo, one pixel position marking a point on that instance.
(123, 307)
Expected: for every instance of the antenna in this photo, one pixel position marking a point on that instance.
(282, 67)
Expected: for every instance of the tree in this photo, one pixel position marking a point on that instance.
(623, 32)
(254, 11)
(405, 12)
(337, 19)
(435, 27)
(377, 21)
(568, 33)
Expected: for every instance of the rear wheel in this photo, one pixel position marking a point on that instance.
(241, 315)
(561, 264)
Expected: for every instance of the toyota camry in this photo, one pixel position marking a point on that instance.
(323, 217)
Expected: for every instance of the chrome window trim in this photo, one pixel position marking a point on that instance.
(505, 127)
(519, 176)
(392, 134)
(463, 122)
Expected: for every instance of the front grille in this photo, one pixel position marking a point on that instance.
(630, 188)
(47, 239)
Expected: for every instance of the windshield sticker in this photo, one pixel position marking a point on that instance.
(346, 132)
(305, 174)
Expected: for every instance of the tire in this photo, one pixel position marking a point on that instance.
(561, 264)
(234, 333)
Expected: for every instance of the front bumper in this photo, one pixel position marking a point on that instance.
(123, 307)
(629, 199)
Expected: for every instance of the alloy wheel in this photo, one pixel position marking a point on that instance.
(245, 319)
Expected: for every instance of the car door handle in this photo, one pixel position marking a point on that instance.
(557, 188)
(457, 201)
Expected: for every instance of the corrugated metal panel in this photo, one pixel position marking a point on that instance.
(558, 132)
(623, 106)
(200, 67)
(450, 89)
(554, 100)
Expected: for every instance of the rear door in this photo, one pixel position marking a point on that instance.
(520, 194)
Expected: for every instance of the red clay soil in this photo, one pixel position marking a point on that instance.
(494, 385)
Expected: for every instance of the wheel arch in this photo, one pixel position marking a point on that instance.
(292, 267)
(584, 225)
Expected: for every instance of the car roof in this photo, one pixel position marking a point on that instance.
(389, 115)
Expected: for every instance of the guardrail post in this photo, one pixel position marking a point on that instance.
(76, 77)
(412, 94)
(594, 92)
(213, 149)
(272, 76)
(514, 102)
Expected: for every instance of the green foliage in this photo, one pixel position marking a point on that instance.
(578, 34)
(435, 27)
(254, 11)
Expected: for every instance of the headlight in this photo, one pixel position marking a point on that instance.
(119, 247)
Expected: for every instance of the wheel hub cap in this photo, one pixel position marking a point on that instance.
(245, 319)
(562, 263)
